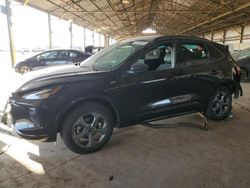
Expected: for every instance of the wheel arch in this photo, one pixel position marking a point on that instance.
(233, 86)
(101, 101)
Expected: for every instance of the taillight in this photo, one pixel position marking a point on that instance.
(237, 68)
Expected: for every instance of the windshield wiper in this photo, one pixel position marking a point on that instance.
(96, 68)
(85, 66)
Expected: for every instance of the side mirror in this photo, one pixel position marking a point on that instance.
(38, 58)
(138, 68)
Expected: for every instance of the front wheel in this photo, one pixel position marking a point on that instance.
(220, 104)
(88, 128)
(24, 68)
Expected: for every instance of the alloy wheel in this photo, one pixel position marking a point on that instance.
(89, 130)
(221, 104)
(24, 69)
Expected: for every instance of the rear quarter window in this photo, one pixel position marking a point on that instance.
(215, 53)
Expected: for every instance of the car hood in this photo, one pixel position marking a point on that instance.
(54, 75)
(64, 70)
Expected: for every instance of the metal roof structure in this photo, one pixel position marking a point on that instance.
(127, 18)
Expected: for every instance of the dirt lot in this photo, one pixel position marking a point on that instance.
(139, 157)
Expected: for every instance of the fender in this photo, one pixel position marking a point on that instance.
(234, 87)
(102, 100)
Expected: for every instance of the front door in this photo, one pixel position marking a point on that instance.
(152, 93)
(46, 59)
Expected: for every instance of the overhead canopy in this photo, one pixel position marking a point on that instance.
(127, 18)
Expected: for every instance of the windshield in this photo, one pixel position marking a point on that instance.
(113, 56)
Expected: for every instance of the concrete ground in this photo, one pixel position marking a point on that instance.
(139, 157)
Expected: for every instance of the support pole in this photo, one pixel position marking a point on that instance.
(224, 36)
(99, 40)
(11, 40)
(242, 33)
(50, 31)
(212, 36)
(93, 37)
(84, 37)
(71, 34)
(106, 40)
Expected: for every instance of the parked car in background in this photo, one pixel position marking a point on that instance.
(51, 58)
(243, 60)
(92, 49)
(133, 81)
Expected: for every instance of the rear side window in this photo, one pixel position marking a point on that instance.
(194, 53)
(63, 54)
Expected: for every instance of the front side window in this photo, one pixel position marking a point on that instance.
(193, 53)
(160, 58)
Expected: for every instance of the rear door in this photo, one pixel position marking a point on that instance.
(201, 69)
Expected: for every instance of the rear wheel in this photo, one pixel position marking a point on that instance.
(88, 128)
(220, 104)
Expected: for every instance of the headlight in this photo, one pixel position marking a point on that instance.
(41, 94)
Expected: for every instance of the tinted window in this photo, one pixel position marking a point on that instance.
(193, 53)
(215, 53)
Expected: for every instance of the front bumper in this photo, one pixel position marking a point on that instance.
(29, 122)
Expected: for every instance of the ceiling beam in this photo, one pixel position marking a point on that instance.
(105, 15)
(246, 5)
(153, 11)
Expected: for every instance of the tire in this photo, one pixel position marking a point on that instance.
(88, 128)
(220, 104)
(243, 75)
(24, 68)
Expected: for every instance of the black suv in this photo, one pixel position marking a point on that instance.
(133, 81)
